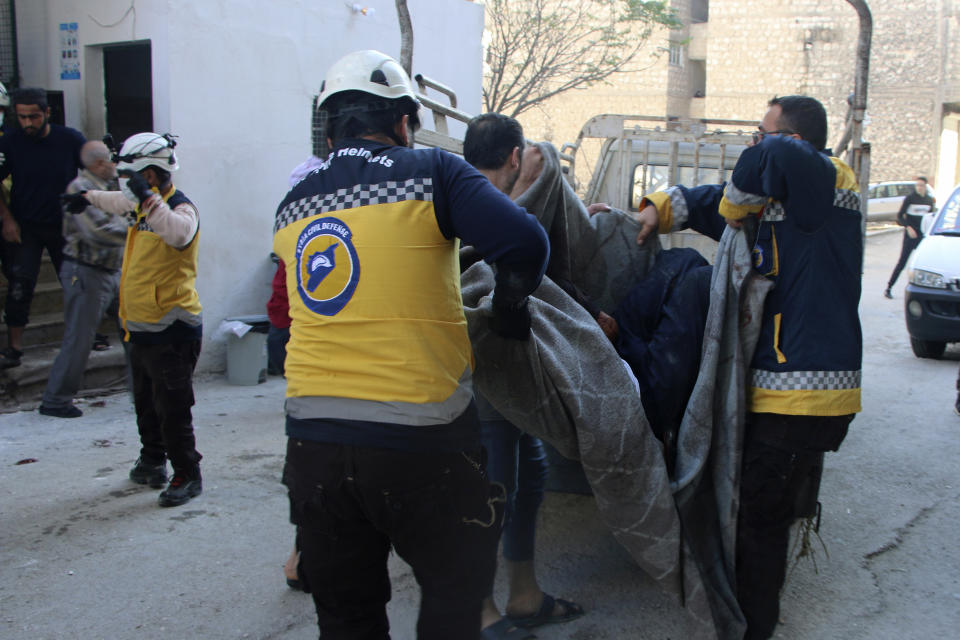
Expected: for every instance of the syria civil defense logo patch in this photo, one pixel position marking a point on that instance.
(328, 268)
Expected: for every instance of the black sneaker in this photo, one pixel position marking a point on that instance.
(181, 490)
(68, 411)
(154, 475)
(10, 357)
(886, 293)
(956, 406)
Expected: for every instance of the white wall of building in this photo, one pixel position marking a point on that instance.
(948, 170)
(234, 79)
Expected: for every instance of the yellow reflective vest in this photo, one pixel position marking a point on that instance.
(158, 281)
(378, 331)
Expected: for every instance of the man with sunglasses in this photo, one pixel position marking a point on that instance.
(804, 385)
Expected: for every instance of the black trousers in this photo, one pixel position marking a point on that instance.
(277, 340)
(350, 504)
(909, 244)
(22, 266)
(782, 464)
(162, 397)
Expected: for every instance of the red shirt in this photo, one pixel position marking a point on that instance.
(278, 307)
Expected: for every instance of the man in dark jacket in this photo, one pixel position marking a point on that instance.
(43, 158)
(804, 380)
(495, 145)
(910, 217)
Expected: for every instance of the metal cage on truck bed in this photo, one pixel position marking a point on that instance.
(642, 154)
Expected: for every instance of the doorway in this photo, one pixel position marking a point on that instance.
(128, 89)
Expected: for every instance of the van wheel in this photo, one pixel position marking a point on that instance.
(927, 348)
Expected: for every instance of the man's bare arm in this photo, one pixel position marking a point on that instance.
(11, 229)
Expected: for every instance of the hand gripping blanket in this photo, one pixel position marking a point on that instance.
(568, 386)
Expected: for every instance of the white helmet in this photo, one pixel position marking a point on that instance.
(142, 150)
(368, 71)
(4, 96)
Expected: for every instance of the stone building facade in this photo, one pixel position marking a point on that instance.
(732, 56)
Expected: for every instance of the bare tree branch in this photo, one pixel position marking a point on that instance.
(541, 48)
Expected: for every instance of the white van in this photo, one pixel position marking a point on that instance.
(885, 198)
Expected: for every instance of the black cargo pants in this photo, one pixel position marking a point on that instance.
(351, 504)
(163, 397)
(782, 463)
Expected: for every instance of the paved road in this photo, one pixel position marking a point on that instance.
(86, 554)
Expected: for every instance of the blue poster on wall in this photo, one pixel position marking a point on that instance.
(69, 52)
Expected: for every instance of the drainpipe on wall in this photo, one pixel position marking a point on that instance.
(15, 72)
(859, 155)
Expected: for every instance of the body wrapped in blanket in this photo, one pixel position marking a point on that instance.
(568, 386)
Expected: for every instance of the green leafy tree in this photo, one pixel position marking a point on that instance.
(541, 48)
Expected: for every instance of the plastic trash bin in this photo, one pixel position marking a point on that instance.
(247, 355)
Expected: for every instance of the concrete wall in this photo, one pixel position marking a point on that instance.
(235, 79)
(809, 46)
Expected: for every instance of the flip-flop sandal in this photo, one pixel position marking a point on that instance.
(505, 629)
(544, 615)
(296, 585)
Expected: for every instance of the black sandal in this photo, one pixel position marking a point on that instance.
(504, 629)
(298, 583)
(544, 615)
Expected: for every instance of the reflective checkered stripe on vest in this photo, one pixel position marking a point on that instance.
(378, 328)
(158, 283)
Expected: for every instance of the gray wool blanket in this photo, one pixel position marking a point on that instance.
(706, 482)
(568, 386)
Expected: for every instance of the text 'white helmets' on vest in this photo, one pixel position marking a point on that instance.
(142, 150)
(368, 71)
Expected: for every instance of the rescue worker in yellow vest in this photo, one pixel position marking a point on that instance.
(384, 445)
(159, 309)
(804, 381)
